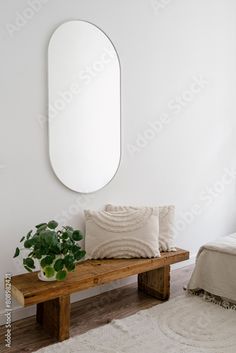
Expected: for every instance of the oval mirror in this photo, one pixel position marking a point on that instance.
(84, 106)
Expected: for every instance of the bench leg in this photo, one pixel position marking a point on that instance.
(54, 316)
(156, 282)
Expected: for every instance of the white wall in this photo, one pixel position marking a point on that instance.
(164, 47)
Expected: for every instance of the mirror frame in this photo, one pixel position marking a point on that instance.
(113, 174)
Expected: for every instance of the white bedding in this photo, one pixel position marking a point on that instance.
(215, 270)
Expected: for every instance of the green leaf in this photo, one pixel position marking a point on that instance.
(61, 275)
(80, 254)
(34, 240)
(68, 228)
(17, 252)
(47, 260)
(65, 235)
(49, 271)
(43, 249)
(75, 249)
(59, 264)
(29, 262)
(70, 267)
(22, 239)
(56, 249)
(38, 254)
(29, 234)
(27, 268)
(52, 224)
(37, 245)
(65, 249)
(28, 244)
(68, 260)
(77, 235)
(40, 225)
(45, 234)
(69, 233)
(43, 263)
(49, 237)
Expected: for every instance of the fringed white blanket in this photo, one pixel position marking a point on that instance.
(214, 276)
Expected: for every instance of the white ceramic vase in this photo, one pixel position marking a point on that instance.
(42, 277)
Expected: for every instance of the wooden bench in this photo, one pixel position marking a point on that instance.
(53, 298)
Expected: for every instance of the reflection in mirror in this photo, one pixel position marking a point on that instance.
(84, 106)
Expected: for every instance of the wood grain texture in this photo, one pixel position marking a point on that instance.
(54, 316)
(29, 290)
(156, 282)
(28, 335)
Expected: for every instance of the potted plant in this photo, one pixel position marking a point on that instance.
(57, 251)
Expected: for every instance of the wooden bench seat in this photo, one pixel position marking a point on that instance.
(53, 298)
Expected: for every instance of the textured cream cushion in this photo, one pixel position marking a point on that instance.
(131, 233)
(166, 224)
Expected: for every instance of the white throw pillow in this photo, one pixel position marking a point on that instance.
(166, 224)
(131, 233)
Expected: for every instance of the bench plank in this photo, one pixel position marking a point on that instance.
(29, 290)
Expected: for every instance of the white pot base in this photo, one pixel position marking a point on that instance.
(42, 277)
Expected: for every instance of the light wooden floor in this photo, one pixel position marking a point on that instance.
(27, 335)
